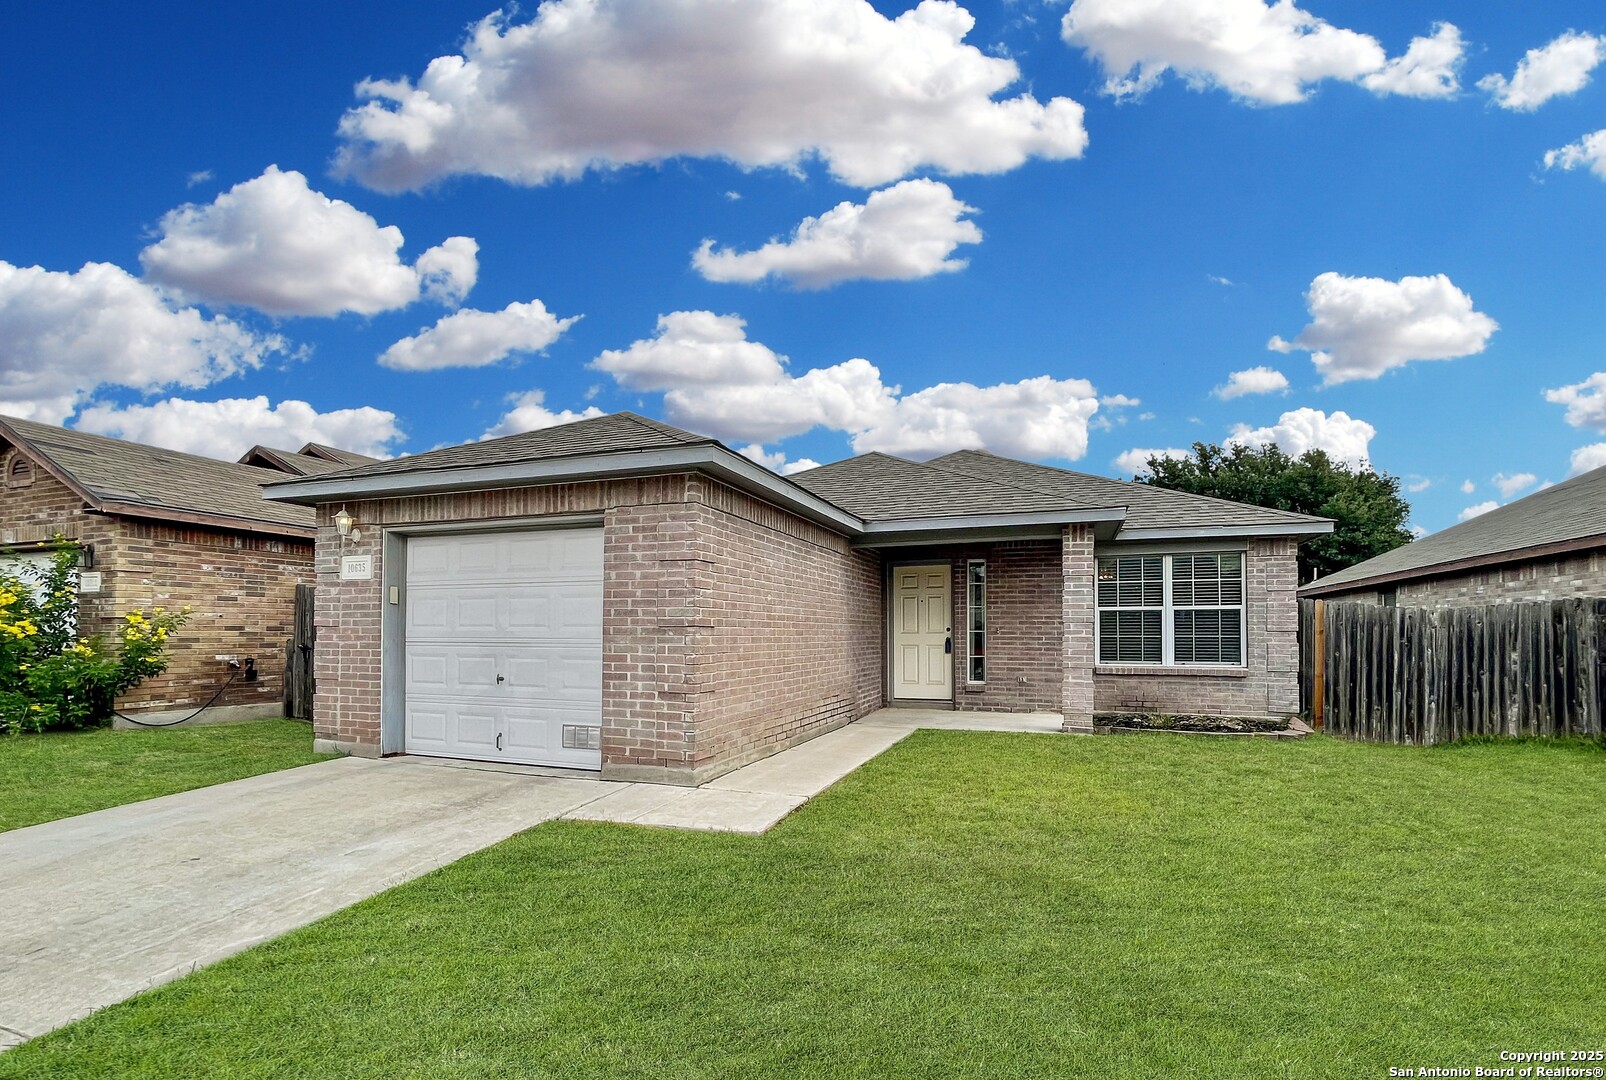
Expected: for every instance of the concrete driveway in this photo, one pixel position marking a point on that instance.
(105, 905)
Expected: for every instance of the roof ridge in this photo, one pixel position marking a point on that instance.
(32, 440)
(1010, 484)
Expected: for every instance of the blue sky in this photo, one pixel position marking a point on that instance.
(1161, 205)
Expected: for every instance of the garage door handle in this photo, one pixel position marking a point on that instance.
(499, 680)
(499, 740)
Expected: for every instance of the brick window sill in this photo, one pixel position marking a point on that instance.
(1160, 669)
(975, 687)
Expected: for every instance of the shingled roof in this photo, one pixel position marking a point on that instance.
(118, 477)
(873, 492)
(613, 433)
(1147, 506)
(1568, 517)
(292, 462)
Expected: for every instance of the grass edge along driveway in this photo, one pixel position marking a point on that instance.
(964, 905)
(63, 774)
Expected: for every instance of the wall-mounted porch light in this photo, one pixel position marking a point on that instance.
(346, 526)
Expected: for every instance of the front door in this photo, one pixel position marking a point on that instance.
(922, 633)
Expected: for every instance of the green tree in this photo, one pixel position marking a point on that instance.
(1368, 513)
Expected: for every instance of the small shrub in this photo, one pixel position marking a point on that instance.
(52, 679)
(1190, 722)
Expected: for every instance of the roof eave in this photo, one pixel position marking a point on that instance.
(1214, 532)
(968, 528)
(217, 521)
(709, 458)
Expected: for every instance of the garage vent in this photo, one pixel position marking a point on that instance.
(580, 737)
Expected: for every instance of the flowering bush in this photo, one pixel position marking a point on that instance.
(51, 678)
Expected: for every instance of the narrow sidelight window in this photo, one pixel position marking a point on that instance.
(976, 620)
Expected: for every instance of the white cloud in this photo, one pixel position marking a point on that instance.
(1265, 53)
(717, 381)
(1588, 457)
(849, 396)
(228, 428)
(693, 348)
(1041, 417)
(1559, 68)
(1430, 68)
(200, 176)
(1468, 487)
(1418, 532)
(1343, 438)
(1589, 151)
(1255, 380)
(1477, 511)
(64, 334)
(901, 233)
(776, 461)
(529, 413)
(1135, 462)
(276, 245)
(1417, 484)
(1217, 279)
(1510, 485)
(1585, 401)
(476, 338)
(1362, 327)
(595, 84)
(1119, 401)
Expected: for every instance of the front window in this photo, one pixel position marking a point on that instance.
(976, 620)
(1185, 609)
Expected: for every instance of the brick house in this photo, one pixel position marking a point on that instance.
(1546, 546)
(619, 595)
(165, 528)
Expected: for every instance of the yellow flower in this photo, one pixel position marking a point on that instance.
(35, 707)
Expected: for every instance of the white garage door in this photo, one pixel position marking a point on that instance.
(504, 647)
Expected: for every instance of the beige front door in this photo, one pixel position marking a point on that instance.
(922, 633)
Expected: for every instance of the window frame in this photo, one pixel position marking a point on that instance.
(1168, 612)
(970, 655)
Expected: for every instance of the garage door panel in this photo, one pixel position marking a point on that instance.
(522, 606)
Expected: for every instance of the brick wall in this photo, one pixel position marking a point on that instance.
(1268, 685)
(1077, 605)
(241, 586)
(791, 643)
(243, 592)
(1583, 574)
(701, 670)
(1025, 584)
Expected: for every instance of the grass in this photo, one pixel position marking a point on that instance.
(966, 905)
(45, 777)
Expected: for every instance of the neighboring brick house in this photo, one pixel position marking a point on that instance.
(1546, 546)
(620, 595)
(164, 528)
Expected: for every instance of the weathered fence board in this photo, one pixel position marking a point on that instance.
(1427, 675)
(298, 683)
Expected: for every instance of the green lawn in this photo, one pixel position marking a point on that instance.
(967, 905)
(44, 777)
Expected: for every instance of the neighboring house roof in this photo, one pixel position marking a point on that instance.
(344, 458)
(1568, 517)
(291, 462)
(875, 497)
(132, 480)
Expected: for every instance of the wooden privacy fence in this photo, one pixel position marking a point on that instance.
(1429, 675)
(298, 658)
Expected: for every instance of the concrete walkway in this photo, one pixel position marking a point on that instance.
(105, 905)
(752, 799)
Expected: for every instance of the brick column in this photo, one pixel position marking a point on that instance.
(1077, 615)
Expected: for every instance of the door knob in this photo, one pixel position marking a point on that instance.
(948, 646)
